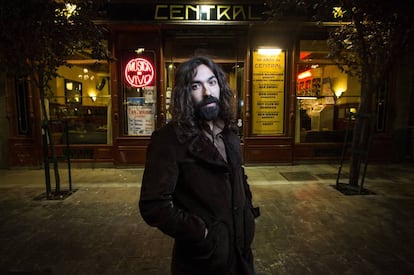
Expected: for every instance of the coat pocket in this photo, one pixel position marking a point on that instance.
(211, 254)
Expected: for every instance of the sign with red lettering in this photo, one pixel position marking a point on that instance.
(139, 72)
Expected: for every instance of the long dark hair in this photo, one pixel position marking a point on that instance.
(182, 107)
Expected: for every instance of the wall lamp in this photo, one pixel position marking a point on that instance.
(338, 93)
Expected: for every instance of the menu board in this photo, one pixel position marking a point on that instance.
(268, 83)
(140, 117)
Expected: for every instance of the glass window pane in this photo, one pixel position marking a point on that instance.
(79, 124)
(325, 96)
(22, 95)
(80, 102)
(139, 92)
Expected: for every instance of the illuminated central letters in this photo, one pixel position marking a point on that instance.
(204, 12)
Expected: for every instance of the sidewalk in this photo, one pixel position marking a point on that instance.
(306, 226)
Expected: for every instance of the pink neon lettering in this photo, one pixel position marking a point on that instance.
(139, 72)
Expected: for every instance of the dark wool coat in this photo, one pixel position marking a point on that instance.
(188, 187)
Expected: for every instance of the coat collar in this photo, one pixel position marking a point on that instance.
(203, 149)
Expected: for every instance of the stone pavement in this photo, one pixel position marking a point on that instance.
(306, 226)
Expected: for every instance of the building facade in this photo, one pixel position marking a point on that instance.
(292, 103)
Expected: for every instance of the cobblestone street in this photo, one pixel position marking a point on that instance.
(306, 225)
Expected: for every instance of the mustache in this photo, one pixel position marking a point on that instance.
(207, 100)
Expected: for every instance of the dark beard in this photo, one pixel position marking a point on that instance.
(207, 113)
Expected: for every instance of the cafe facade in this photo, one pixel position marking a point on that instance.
(292, 104)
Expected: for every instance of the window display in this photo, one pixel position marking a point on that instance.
(79, 107)
(85, 124)
(141, 114)
(139, 92)
(323, 94)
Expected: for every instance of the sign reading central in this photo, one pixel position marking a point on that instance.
(139, 72)
(206, 12)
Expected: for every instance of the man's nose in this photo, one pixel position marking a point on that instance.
(206, 89)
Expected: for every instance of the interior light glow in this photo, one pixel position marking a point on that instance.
(69, 86)
(338, 93)
(92, 94)
(140, 50)
(306, 97)
(269, 51)
(305, 74)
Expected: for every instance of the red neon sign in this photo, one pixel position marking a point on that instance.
(139, 72)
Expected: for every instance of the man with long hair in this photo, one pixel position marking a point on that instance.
(194, 188)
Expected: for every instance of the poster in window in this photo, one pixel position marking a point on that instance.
(140, 117)
(268, 93)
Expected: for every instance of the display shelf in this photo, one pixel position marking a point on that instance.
(86, 124)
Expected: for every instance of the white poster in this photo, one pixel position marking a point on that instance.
(140, 117)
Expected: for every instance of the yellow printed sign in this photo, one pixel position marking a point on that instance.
(268, 85)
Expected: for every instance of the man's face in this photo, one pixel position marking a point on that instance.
(206, 93)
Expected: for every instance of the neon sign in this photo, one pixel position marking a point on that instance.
(139, 72)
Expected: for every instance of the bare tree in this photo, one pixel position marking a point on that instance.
(368, 39)
(37, 37)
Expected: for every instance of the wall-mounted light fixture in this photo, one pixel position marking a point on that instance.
(92, 95)
(339, 92)
(140, 50)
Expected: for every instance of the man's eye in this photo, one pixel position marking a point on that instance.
(195, 86)
(213, 82)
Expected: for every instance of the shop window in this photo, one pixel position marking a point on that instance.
(326, 97)
(236, 79)
(169, 70)
(79, 107)
(22, 106)
(79, 124)
(139, 92)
